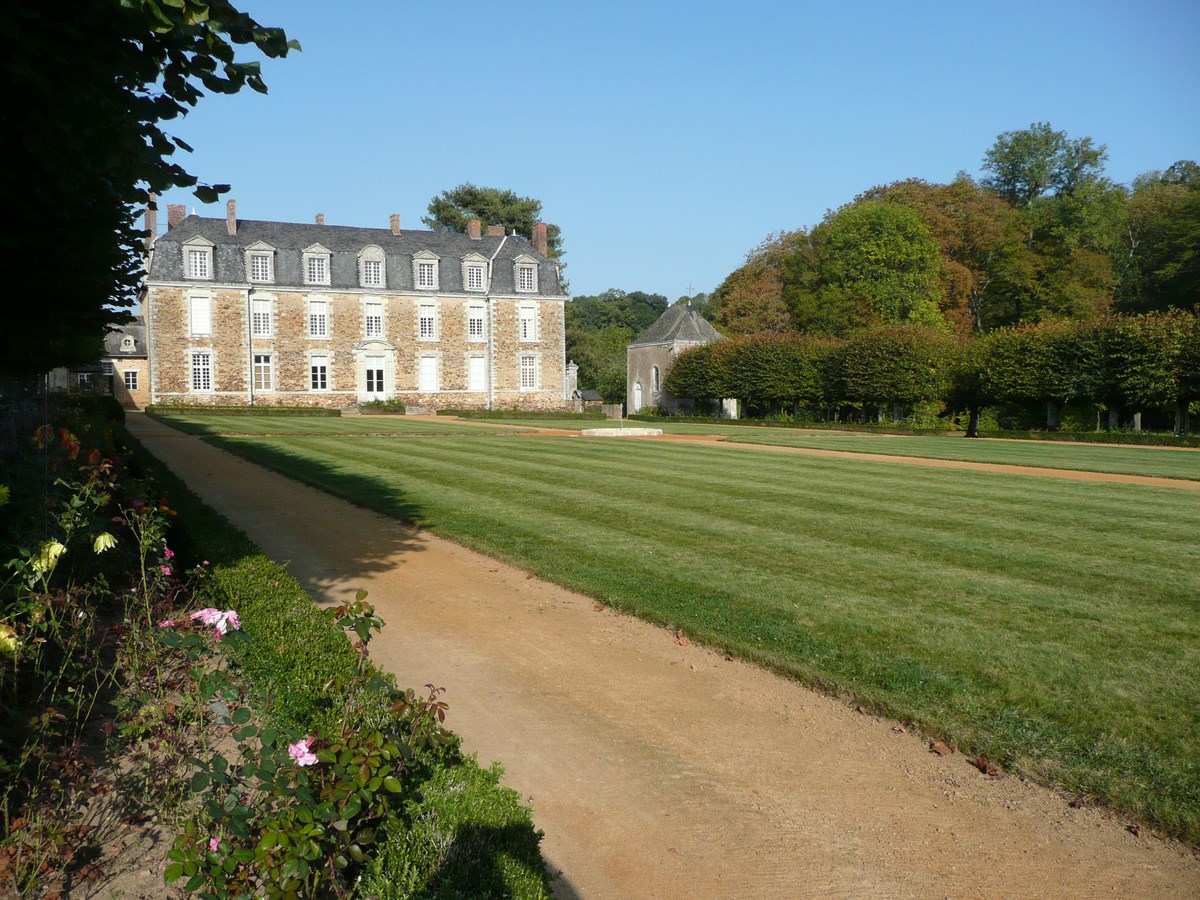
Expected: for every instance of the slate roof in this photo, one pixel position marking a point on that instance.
(680, 323)
(345, 243)
(136, 330)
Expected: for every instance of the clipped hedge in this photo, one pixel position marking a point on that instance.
(292, 652)
(169, 410)
(518, 414)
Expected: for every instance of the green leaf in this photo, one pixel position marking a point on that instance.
(391, 783)
(240, 716)
(194, 884)
(199, 782)
(173, 873)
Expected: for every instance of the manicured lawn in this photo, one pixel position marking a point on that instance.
(348, 425)
(1164, 462)
(1052, 625)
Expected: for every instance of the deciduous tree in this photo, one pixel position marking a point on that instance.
(88, 90)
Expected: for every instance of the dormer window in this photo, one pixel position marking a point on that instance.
(474, 267)
(370, 267)
(198, 259)
(425, 270)
(525, 274)
(127, 345)
(260, 263)
(316, 265)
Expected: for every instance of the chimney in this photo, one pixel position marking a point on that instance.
(231, 216)
(395, 223)
(474, 229)
(540, 240)
(151, 222)
(175, 214)
(320, 218)
(495, 231)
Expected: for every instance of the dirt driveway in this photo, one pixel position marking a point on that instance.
(661, 769)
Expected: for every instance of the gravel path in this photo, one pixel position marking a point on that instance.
(661, 769)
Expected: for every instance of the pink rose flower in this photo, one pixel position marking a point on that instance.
(301, 752)
(168, 553)
(167, 623)
(213, 844)
(166, 570)
(221, 621)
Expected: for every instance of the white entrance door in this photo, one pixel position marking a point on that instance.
(637, 396)
(475, 373)
(374, 379)
(427, 377)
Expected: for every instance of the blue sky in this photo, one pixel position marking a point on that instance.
(668, 140)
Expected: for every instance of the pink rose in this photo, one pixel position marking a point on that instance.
(301, 752)
(167, 623)
(213, 844)
(169, 553)
(166, 570)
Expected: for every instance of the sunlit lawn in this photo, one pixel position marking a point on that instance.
(347, 425)
(1052, 625)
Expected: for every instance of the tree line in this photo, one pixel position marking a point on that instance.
(1043, 235)
(1124, 365)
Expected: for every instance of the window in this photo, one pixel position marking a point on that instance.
(83, 379)
(319, 370)
(261, 267)
(318, 318)
(127, 344)
(260, 318)
(475, 320)
(529, 372)
(475, 373)
(316, 265)
(370, 267)
(474, 278)
(131, 380)
(527, 322)
(427, 379)
(199, 262)
(425, 270)
(654, 379)
(374, 320)
(427, 322)
(201, 371)
(262, 372)
(200, 315)
(106, 367)
(526, 275)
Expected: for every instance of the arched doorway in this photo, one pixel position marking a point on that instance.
(637, 396)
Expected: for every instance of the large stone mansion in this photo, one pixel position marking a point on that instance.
(242, 312)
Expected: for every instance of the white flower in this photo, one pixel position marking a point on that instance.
(47, 557)
(104, 541)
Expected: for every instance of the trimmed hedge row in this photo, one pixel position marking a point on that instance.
(461, 827)
(518, 414)
(315, 411)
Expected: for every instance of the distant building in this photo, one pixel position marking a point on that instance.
(251, 312)
(650, 357)
(120, 370)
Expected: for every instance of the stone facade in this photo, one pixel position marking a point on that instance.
(417, 328)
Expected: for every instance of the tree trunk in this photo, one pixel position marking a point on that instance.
(1137, 421)
(897, 413)
(1114, 416)
(879, 415)
(973, 423)
(1053, 416)
(1181, 418)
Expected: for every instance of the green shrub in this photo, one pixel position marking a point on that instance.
(391, 407)
(160, 409)
(519, 414)
(466, 836)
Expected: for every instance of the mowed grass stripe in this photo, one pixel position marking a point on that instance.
(1160, 462)
(1052, 625)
